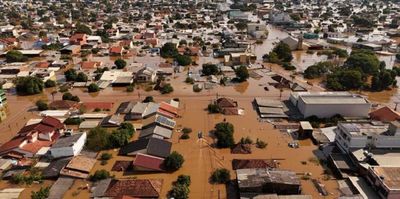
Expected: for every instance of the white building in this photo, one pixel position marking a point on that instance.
(370, 135)
(328, 104)
(68, 145)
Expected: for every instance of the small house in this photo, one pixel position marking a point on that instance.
(68, 145)
(151, 146)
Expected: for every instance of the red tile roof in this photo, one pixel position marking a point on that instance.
(149, 162)
(146, 188)
(48, 124)
(116, 50)
(87, 65)
(385, 114)
(42, 65)
(169, 108)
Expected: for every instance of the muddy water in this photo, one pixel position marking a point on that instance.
(201, 159)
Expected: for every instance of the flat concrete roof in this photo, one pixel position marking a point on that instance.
(333, 99)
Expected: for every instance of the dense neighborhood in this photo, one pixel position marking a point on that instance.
(249, 99)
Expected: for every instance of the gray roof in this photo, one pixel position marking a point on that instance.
(154, 146)
(151, 108)
(60, 187)
(263, 102)
(100, 188)
(139, 108)
(67, 140)
(157, 130)
(259, 177)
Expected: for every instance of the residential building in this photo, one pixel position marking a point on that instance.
(68, 145)
(385, 181)
(79, 167)
(31, 138)
(144, 162)
(137, 188)
(146, 74)
(261, 181)
(375, 135)
(151, 146)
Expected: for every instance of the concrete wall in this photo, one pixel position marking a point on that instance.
(329, 110)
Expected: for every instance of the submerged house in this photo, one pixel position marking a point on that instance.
(261, 181)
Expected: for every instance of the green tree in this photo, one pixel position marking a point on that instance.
(179, 192)
(221, 176)
(317, 70)
(342, 80)
(174, 161)
(81, 28)
(148, 99)
(119, 138)
(242, 73)
(29, 85)
(283, 52)
(241, 25)
(81, 77)
(100, 175)
(210, 69)
(15, 56)
(183, 60)
(42, 105)
(168, 50)
(364, 61)
(224, 134)
(183, 180)
(70, 74)
(167, 88)
(120, 63)
(92, 88)
(49, 83)
(43, 193)
(98, 139)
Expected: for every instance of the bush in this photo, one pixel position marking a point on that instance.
(179, 192)
(261, 144)
(81, 77)
(100, 175)
(180, 189)
(174, 161)
(73, 121)
(92, 88)
(183, 180)
(242, 73)
(130, 88)
(246, 140)
(29, 85)
(210, 69)
(197, 88)
(213, 108)
(49, 83)
(186, 130)
(185, 136)
(43, 193)
(220, 176)
(167, 88)
(120, 63)
(106, 156)
(42, 105)
(224, 133)
(148, 99)
(69, 96)
(189, 80)
(183, 60)
(288, 66)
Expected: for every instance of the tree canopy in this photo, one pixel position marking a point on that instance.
(15, 56)
(174, 161)
(29, 85)
(224, 133)
(168, 50)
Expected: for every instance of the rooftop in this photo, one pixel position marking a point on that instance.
(390, 176)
